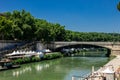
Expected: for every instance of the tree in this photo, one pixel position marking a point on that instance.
(5, 28)
(27, 32)
(118, 6)
(24, 23)
(21, 25)
(58, 32)
(17, 33)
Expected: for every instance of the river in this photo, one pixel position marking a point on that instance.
(57, 69)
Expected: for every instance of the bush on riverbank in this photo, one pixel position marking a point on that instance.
(26, 60)
(36, 59)
(52, 56)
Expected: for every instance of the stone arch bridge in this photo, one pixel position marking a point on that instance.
(114, 47)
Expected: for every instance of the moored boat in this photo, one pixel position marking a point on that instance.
(6, 64)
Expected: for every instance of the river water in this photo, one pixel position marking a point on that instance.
(57, 69)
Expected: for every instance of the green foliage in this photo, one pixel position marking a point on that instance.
(52, 56)
(118, 6)
(5, 28)
(18, 61)
(91, 36)
(34, 59)
(21, 25)
(25, 60)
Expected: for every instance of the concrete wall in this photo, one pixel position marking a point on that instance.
(40, 46)
(115, 52)
(9, 44)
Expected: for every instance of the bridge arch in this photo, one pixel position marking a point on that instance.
(113, 47)
(87, 46)
(81, 45)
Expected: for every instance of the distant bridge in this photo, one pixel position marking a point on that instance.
(114, 47)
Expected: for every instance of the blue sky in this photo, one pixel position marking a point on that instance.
(76, 15)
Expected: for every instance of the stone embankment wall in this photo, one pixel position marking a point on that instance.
(9, 44)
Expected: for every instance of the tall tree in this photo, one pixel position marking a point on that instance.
(5, 28)
(118, 6)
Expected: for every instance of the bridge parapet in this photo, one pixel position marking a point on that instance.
(102, 44)
(113, 46)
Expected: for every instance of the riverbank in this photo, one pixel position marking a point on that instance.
(25, 60)
(114, 62)
(108, 72)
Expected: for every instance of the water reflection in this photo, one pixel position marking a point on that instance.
(40, 67)
(57, 69)
(37, 67)
(19, 72)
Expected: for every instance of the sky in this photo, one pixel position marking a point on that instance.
(75, 15)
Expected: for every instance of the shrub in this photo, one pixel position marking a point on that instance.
(52, 56)
(26, 60)
(34, 59)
